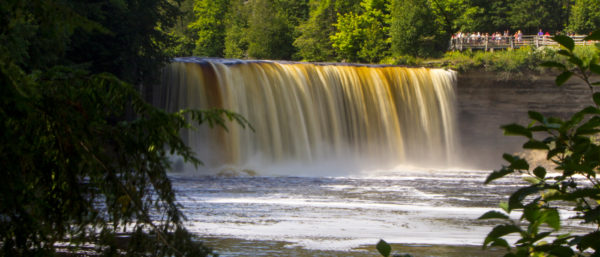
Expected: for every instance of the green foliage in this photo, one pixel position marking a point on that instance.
(531, 15)
(183, 37)
(313, 40)
(84, 156)
(576, 154)
(585, 16)
(270, 32)
(210, 27)
(414, 29)
(236, 42)
(363, 37)
(360, 30)
(516, 60)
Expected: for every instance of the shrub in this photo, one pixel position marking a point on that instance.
(571, 146)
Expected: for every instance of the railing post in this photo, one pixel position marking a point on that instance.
(486, 43)
(512, 42)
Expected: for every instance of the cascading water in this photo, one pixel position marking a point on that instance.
(342, 142)
(308, 114)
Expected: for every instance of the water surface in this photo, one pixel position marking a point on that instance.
(346, 212)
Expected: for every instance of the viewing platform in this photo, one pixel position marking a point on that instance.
(494, 43)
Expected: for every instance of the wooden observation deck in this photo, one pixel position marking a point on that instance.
(489, 43)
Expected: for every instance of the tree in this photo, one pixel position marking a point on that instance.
(236, 38)
(414, 30)
(271, 28)
(184, 37)
(363, 37)
(128, 40)
(573, 147)
(84, 156)
(313, 42)
(210, 27)
(531, 15)
(585, 16)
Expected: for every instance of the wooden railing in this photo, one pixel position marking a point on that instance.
(490, 43)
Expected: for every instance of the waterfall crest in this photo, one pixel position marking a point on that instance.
(310, 113)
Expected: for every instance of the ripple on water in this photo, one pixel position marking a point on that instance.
(342, 213)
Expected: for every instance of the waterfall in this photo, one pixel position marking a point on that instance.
(305, 113)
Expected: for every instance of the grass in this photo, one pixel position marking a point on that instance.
(511, 60)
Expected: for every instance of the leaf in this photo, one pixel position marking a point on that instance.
(500, 231)
(563, 77)
(577, 61)
(508, 157)
(498, 174)
(590, 110)
(551, 217)
(593, 193)
(493, 215)
(592, 215)
(516, 129)
(589, 128)
(564, 52)
(384, 248)
(515, 199)
(538, 128)
(536, 116)
(589, 240)
(540, 172)
(532, 180)
(540, 236)
(596, 98)
(531, 212)
(504, 206)
(501, 242)
(519, 164)
(595, 68)
(565, 41)
(534, 144)
(562, 251)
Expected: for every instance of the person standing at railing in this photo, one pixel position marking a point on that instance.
(520, 36)
(539, 38)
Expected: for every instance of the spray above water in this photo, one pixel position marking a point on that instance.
(337, 117)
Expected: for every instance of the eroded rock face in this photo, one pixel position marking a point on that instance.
(487, 100)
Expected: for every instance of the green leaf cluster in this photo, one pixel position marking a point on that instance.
(572, 146)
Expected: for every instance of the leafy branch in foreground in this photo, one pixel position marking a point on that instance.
(573, 147)
(84, 160)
